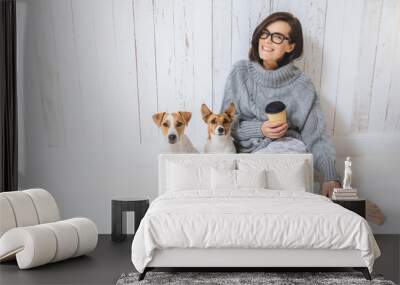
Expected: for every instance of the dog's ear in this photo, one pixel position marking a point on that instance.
(158, 117)
(205, 112)
(186, 116)
(230, 111)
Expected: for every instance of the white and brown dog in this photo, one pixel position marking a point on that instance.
(172, 126)
(219, 130)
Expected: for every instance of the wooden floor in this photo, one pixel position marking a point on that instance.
(111, 259)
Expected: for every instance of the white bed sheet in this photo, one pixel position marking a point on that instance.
(252, 218)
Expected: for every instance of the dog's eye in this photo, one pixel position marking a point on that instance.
(213, 121)
(226, 121)
(179, 124)
(165, 124)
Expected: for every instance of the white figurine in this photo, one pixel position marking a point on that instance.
(347, 174)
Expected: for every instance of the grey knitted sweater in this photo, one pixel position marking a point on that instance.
(251, 87)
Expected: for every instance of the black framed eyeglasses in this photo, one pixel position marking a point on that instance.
(276, 38)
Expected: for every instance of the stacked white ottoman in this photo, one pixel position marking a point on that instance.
(31, 230)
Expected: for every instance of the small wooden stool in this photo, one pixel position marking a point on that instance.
(357, 206)
(119, 207)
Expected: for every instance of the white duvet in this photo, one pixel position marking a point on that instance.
(250, 219)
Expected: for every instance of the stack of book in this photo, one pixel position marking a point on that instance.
(344, 194)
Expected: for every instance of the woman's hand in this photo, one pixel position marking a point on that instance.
(274, 130)
(327, 187)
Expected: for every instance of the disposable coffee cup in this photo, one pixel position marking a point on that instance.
(276, 112)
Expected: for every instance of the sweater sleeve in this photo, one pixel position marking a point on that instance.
(319, 143)
(244, 128)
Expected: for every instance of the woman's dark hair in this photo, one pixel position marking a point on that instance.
(295, 36)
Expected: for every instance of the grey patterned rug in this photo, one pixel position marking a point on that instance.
(229, 278)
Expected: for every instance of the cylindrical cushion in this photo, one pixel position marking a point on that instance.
(87, 233)
(67, 239)
(23, 208)
(46, 206)
(27, 208)
(7, 218)
(41, 244)
(33, 246)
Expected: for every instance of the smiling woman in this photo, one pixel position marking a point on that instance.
(277, 41)
(268, 76)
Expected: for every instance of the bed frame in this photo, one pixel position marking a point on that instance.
(249, 259)
(242, 259)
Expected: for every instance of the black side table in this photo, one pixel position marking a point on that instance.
(357, 206)
(119, 207)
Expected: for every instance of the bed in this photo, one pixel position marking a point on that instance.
(247, 210)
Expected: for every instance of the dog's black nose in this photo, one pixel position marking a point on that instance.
(172, 137)
(220, 130)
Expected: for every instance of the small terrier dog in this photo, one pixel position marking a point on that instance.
(219, 130)
(173, 126)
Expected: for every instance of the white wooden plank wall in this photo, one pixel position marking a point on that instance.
(167, 55)
(91, 74)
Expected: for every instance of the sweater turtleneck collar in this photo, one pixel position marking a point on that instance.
(274, 78)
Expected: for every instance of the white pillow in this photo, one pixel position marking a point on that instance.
(281, 174)
(192, 175)
(251, 178)
(288, 179)
(225, 179)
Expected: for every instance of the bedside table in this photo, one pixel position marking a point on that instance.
(357, 206)
(119, 207)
